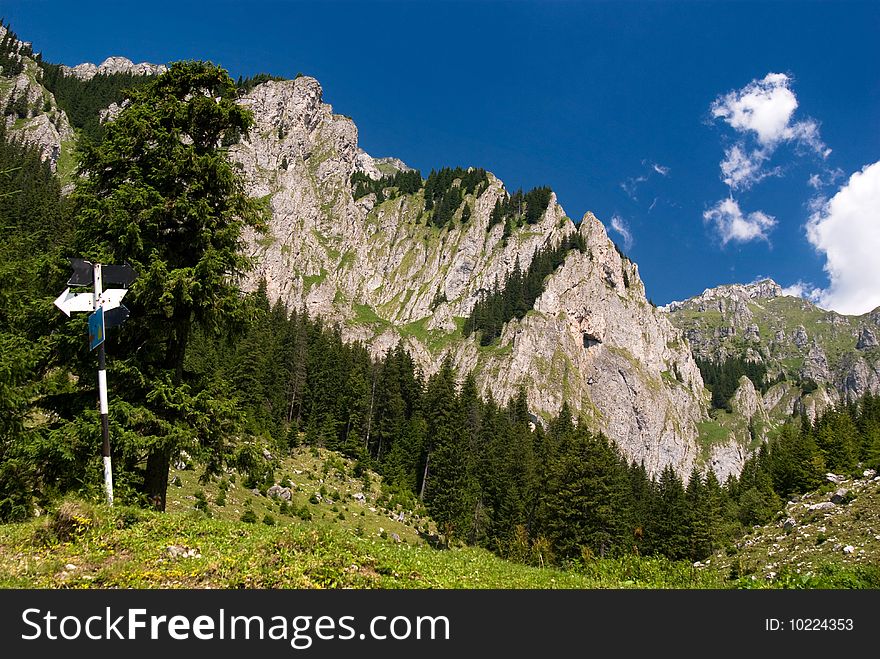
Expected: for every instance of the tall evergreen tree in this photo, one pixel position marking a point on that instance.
(159, 193)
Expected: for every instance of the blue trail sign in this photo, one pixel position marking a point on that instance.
(96, 328)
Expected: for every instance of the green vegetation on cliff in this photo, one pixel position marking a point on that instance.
(517, 295)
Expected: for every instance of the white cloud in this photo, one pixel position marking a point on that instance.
(631, 185)
(619, 225)
(765, 107)
(731, 224)
(742, 170)
(761, 112)
(831, 176)
(847, 231)
(804, 290)
(661, 169)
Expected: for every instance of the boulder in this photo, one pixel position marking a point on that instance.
(840, 496)
(278, 492)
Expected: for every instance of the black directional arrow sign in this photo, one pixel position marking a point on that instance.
(116, 316)
(83, 273)
(119, 274)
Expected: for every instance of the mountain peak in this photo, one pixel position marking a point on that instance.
(111, 65)
(763, 289)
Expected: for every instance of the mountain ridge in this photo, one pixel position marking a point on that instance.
(384, 272)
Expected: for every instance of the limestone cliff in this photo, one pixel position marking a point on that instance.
(386, 275)
(34, 115)
(111, 65)
(824, 356)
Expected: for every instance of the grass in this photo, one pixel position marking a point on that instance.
(364, 315)
(200, 544)
(711, 433)
(129, 548)
(67, 162)
(322, 486)
(310, 281)
(812, 554)
(435, 340)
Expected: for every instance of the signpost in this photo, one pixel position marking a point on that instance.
(107, 312)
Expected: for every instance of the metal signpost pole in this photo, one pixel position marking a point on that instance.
(107, 312)
(102, 395)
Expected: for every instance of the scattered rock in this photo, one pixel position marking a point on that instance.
(69, 567)
(278, 492)
(179, 551)
(182, 461)
(840, 496)
(395, 537)
(834, 478)
(849, 549)
(400, 516)
(788, 525)
(359, 496)
(869, 473)
(825, 505)
(267, 454)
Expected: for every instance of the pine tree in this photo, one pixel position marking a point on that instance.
(160, 195)
(669, 517)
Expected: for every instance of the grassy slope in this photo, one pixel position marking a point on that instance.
(814, 547)
(309, 472)
(128, 548)
(89, 546)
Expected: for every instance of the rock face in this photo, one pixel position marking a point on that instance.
(111, 65)
(387, 276)
(44, 125)
(832, 356)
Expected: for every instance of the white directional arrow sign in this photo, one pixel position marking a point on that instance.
(99, 301)
(69, 302)
(111, 298)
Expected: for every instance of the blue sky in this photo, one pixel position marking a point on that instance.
(636, 111)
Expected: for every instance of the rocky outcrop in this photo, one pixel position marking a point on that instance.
(387, 276)
(826, 357)
(866, 340)
(111, 65)
(747, 403)
(43, 123)
(722, 297)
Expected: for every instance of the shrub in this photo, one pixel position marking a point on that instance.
(71, 520)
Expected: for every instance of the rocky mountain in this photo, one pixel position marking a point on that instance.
(31, 113)
(386, 274)
(814, 357)
(115, 64)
